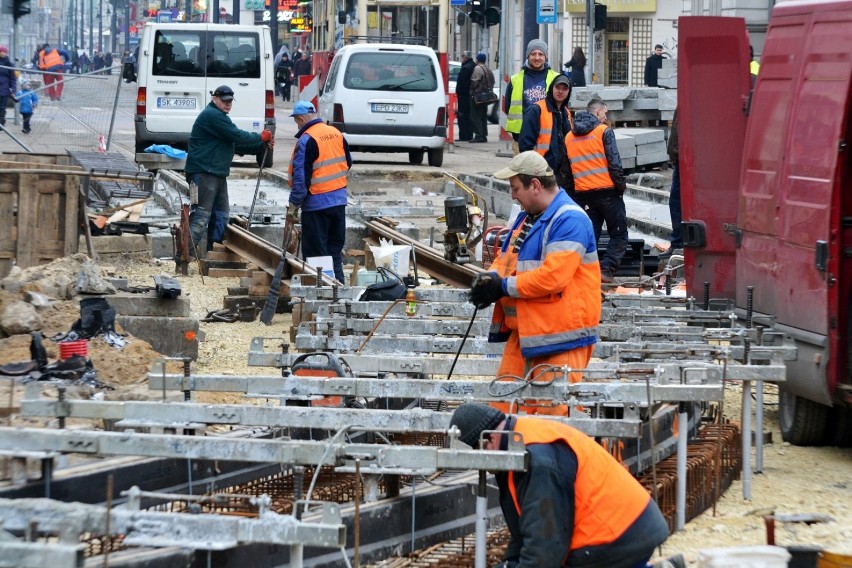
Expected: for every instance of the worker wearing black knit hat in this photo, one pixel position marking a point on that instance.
(527, 87)
(575, 505)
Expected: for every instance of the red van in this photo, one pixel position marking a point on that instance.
(767, 193)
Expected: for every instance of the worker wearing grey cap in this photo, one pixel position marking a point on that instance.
(213, 141)
(527, 87)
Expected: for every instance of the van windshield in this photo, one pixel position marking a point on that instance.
(389, 71)
(234, 55)
(176, 54)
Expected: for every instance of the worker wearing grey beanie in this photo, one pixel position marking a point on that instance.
(536, 44)
(527, 87)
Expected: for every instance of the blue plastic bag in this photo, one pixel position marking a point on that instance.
(167, 150)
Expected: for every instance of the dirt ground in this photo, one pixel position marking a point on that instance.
(794, 479)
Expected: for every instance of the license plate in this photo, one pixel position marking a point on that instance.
(388, 107)
(175, 102)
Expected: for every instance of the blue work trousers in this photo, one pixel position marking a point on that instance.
(324, 234)
(607, 206)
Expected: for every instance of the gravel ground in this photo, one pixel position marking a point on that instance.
(794, 480)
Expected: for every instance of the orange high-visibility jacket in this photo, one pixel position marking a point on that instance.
(330, 168)
(588, 160)
(607, 498)
(545, 131)
(48, 60)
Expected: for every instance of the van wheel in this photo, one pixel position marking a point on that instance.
(415, 157)
(802, 421)
(436, 157)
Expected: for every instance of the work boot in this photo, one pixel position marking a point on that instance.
(607, 275)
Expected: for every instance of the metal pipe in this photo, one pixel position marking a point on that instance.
(746, 439)
(356, 521)
(481, 522)
(680, 500)
(758, 427)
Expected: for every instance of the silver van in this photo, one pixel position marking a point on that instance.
(179, 65)
(387, 98)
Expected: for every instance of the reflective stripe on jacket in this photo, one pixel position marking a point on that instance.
(588, 160)
(607, 499)
(553, 283)
(330, 168)
(50, 60)
(545, 131)
(515, 114)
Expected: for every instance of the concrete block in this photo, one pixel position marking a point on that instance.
(118, 244)
(626, 145)
(148, 304)
(653, 158)
(170, 336)
(643, 135)
(667, 115)
(667, 99)
(628, 163)
(641, 104)
(667, 82)
(652, 148)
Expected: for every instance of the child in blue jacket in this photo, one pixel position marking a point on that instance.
(28, 103)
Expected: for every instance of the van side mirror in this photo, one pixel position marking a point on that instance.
(341, 17)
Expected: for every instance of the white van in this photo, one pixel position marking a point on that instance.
(179, 65)
(387, 98)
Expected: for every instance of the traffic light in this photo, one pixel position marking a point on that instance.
(600, 17)
(20, 8)
(477, 12)
(492, 12)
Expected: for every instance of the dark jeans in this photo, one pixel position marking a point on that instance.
(479, 120)
(210, 215)
(27, 116)
(324, 234)
(674, 209)
(4, 100)
(464, 118)
(607, 206)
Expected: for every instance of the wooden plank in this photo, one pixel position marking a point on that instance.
(227, 272)
(27, 225)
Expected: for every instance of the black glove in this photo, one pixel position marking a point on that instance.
(486, 289)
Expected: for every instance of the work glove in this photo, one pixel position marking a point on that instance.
(486, 289)
(266, 136)
(293, 213)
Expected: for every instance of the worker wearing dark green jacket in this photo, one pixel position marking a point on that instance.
(213, 141)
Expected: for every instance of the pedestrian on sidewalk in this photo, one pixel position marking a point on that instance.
(545, 283)
(463, 97)
(653, 65)
(546, 123)
(481, 81)
(213, 141)
(575, 505)
(597, 182)
(28, 100)
(318, 179)
(283, 76)
(576, 68)
(8, 81)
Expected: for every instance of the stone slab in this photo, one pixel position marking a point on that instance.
(643, 135)
(148, 304)
(667, 99)
(167, 335)
(628, 163)
(117, 244)
(653, 148)
(654, 158)
(626, 145)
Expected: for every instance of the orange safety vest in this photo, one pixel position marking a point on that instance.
(48, 60)
(607, 498)
(330, 167)
(545, 131)
(588, 160)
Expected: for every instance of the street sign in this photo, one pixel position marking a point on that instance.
(546, 11)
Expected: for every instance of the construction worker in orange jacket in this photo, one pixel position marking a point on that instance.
(597, 181)
(546, 123)
(545, 282)
(575, 505)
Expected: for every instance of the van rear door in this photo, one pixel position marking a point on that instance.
(236, 57)
(713, 83)
(176, 78)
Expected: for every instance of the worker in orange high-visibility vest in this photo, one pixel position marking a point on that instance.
(545, 125)
(597, 181)
(575, 505)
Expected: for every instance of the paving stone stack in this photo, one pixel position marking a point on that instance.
(648, 104)
(650, 145)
